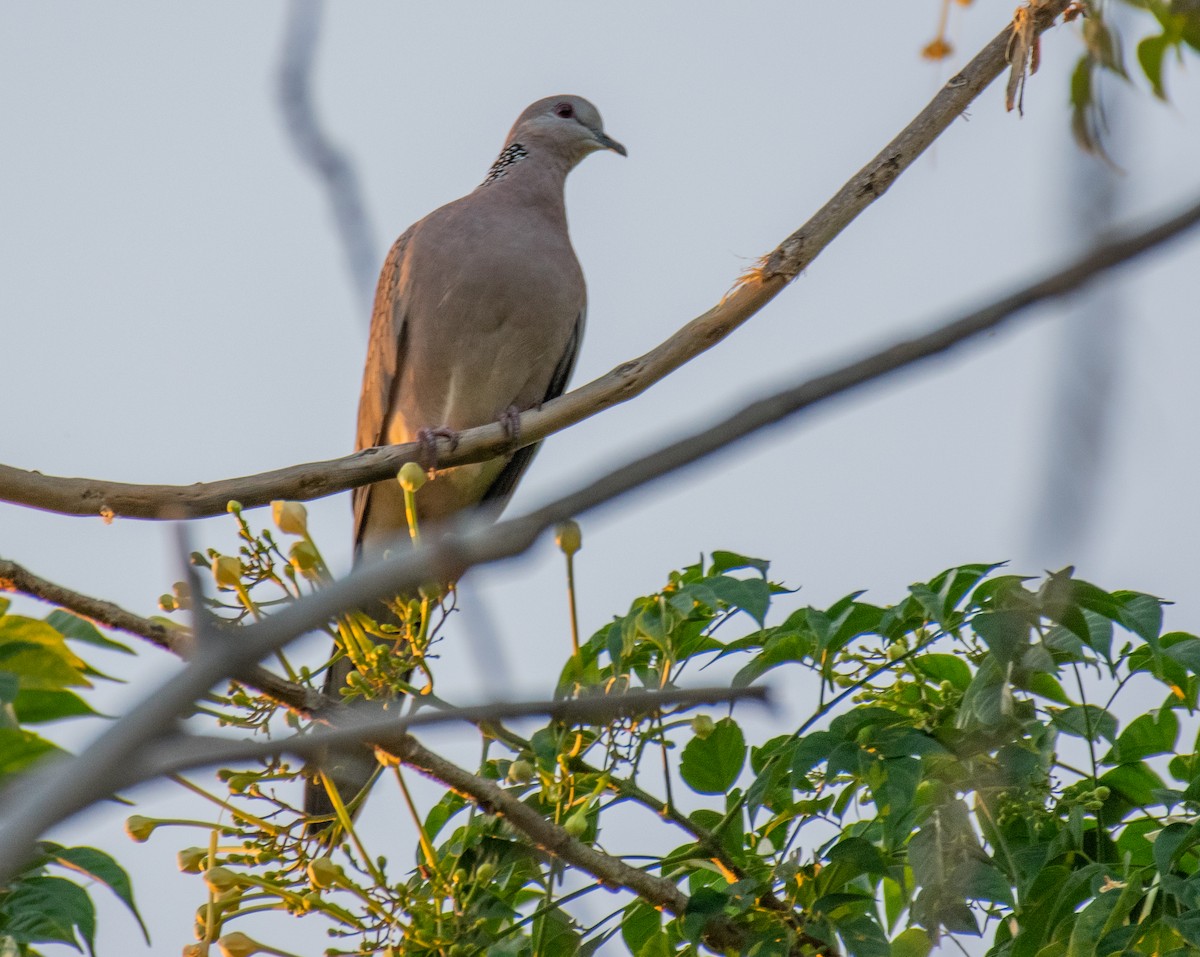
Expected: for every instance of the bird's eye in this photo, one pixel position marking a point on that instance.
(564, 110)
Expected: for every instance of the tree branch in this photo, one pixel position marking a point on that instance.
(315, 150)
(82, 496)
(383, 729)
(310, 703)
(470, 542)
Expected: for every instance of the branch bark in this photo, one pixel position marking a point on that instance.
(472, 542)
(92, 497)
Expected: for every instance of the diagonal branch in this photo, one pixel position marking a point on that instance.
(82, 496)
(310, 703)
(56, 793)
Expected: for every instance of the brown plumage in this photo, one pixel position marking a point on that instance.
(479, 313)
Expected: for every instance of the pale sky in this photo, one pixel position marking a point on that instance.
(175, 307)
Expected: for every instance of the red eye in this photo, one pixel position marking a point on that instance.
(564, 110)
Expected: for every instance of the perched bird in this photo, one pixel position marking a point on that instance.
(478, 316)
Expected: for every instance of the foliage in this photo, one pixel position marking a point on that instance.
(963, 770)
(39, 671)
(1166, 30)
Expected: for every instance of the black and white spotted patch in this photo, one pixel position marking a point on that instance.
(513, 153)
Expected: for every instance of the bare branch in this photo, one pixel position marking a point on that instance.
(330, 164)
(310, 703)
(176, 639)
(383, 728)
(81, 496)
(58, 792)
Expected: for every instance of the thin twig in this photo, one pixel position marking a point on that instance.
(472, 542)
(91, 497)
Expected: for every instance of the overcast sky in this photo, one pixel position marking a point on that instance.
(175, 306)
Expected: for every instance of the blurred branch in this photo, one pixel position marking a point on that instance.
(56, 792)
(330, 164)
(81, 496)
(389, 732)
(173, 638)
(310, 703)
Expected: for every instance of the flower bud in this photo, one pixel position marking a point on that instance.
(323, 873)
(167, 603)
(305, 558)
(485, 872)
(191, 859)
(220, 880)
(568, 537)
(238, 944)
(140, 828)
(577, 824)
(291, 518)
(227, 571)
(520, 772)
(233, 507)
(702, 726)
(411, 476)
(193, 950)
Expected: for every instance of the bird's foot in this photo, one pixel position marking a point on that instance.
(427, 445)
(510, 421)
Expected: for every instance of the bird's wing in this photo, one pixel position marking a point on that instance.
(500, 491)
(385, 356)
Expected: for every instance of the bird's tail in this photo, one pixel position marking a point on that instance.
(348, 770)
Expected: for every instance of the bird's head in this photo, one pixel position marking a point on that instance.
(567, 125)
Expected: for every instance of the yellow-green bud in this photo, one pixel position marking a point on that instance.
(568, 537)
(140, 828)
(895, 650)
(291, 518)
(233, 506)
(191, 859)
(1102, 793)
(485, 872)
(238, 944)
(322, 872)
(220, 880)
(305, 558)
(167, 603)
(227, 571)
(411, 476)
(520, 772)
(577, 824)
(703, 726)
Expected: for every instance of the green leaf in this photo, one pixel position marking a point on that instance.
(864, 856)
(640, 923)
(80, 629)
(48, 910)
(1089, 722)
(1172, 841)
(99, 867)
(1006, 633)
(941, 667)
(711, 765)
(731, 561)
(751, 595)
(1140, 613)
(37, 707)
(38, 655)
(863, 937)
(19, 749)
(913, 942)
(1135, 783)
(1146, 736)
(1150, 54)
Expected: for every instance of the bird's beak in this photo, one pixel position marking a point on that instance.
(608, 143)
